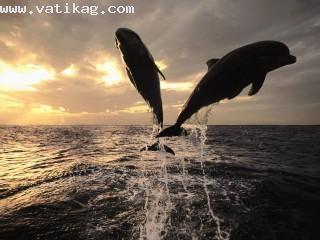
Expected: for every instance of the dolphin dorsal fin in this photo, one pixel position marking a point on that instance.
(257, 83)
(212, 62)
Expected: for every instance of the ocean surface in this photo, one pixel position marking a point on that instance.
(225, 182)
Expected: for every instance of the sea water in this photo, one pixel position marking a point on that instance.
(225, 182)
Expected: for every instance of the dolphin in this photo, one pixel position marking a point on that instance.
(143, 74)
(141, 69)
(228, 76)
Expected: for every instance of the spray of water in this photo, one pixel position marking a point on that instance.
(203, 138)
(198, 131)
(158, 204)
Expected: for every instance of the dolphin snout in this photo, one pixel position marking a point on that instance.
(292, 59)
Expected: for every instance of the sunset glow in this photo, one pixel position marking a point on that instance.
(55, 66)
(40, 109)
(22, 78)
(139, 107)
(176, 86)
(159, 120)
(70, 71)
(111, 75)
(161, 65)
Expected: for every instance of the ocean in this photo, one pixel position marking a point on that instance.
(225, 182)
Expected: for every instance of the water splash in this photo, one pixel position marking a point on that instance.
(198, 131)
(202, 116)
(216, 219)
(158, 204)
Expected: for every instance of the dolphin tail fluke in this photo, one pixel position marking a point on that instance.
(174, 130)
(158, 147)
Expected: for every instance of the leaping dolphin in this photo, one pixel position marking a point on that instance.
(143, 74)
(228, 76)
(141, 69)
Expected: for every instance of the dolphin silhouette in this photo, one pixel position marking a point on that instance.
(143, 74)
(228, 76)
(141, 69)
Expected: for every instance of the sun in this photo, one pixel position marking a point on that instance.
(111, 74)
(22, 77)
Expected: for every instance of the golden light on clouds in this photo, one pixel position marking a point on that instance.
(162, 65)
(9, 43)
(40, 109)
(70, 71)
(111, 73)
(22, 77)
(42, 114)
(9, 103)
(140, 107)
(238, 99)
(179, 105)
(176, 86)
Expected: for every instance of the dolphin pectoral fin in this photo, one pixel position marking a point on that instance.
(154, 64)
(164, 78)
(257, 84)
(159, 71)
(212, 62)
(157, 147)
(131, 78)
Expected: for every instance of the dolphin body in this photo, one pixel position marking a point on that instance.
(228, 76)
(143, 74)
(141, 69)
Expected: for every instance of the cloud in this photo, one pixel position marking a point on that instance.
(90, 78)
(177, 86)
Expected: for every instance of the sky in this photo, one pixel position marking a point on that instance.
(65, 68)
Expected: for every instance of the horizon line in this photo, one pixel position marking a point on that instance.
(26, 125)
